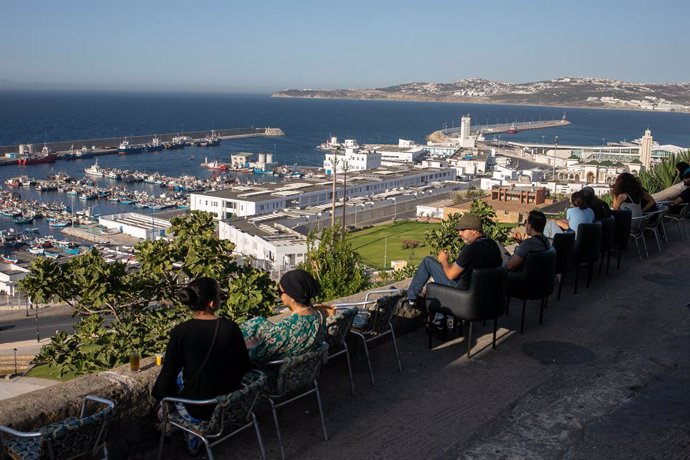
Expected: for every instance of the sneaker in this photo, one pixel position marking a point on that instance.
(411, 302)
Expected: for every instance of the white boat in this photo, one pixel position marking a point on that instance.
(94, 170)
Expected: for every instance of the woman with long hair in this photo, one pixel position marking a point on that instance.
(206, 356)
(629, 194)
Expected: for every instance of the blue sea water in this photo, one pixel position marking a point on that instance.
(27, 117)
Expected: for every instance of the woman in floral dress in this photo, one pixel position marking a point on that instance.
(299, 333)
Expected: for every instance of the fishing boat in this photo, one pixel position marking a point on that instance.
(21, 220)
(513, 129)
(177, 142)
(31, 230)
(214, 165)
(46, 156)
(9, 259)
(36, 250)
(154, 146)
(126, 148)
(94, 170)
(59, 223)
(51, 255)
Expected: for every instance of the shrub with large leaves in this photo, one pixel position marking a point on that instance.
(120, 311)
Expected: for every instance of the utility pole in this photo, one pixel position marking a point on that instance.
(335, 191)
(345, 165)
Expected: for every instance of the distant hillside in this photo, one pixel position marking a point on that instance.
(566, 91)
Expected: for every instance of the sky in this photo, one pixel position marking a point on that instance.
(262, 46)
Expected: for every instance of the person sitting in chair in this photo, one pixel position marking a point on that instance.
(479, 252)
(532, 241)
(580, 213)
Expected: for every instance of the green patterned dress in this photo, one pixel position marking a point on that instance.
(292, 336)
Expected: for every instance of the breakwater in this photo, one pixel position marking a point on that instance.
(109, 145)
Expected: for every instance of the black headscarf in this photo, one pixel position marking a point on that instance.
(300, 285)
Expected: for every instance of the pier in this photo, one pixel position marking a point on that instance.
(499, 128)
(107, 146)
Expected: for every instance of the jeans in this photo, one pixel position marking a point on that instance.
(429, 268)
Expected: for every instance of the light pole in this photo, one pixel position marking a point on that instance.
(555, 149)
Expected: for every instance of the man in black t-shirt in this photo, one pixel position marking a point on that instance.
(478, 252)
(684, 196)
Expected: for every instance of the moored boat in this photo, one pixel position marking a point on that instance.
(126, 148)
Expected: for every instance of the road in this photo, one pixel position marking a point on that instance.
(20, 329)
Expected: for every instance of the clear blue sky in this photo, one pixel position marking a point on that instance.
(265, 46)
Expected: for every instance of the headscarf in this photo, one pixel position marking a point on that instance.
(300, 285)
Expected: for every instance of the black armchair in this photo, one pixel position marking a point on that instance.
(564, 245)
(608, 233)
(485, 299)
(536, 279)
(587, 248)
(621, 232)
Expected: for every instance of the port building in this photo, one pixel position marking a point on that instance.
(264, 198)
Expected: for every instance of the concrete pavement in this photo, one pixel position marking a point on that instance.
(606, 376)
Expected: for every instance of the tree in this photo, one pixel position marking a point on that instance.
(663, 174)
(335, 265)
(122, 311)
(446, 238)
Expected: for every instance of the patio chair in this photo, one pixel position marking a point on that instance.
(379, 324)
(656, 220)
(234, 410)
(296, 378)
(68, 438)
(637, 227)
(608, 232)
(587, 249)
(680, 217)
(535, 280)
(564, 245)
(337, 329)
(485, 299)
(621, 232)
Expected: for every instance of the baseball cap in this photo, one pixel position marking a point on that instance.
(469, 222)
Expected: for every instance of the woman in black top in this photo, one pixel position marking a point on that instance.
(207, 352)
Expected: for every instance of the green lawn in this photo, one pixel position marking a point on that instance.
(380, 244)
(46, 371)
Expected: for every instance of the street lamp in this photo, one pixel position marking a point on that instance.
(555, 149)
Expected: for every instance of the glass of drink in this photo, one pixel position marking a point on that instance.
(159, 359)
(134, 361)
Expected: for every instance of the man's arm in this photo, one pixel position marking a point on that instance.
(452, 270)
(514, 262)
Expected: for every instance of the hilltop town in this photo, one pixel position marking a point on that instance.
(565, 91)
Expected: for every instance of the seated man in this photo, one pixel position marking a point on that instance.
(684, 196)
(534, 240)
(478, 252)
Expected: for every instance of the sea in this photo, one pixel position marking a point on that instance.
(37, 117)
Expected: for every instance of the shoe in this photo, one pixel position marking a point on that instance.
(412, 303)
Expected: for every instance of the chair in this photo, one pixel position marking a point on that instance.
(296, 378)
(680, 216)
(68, 438)
(608, 229)
(485, 299)
(621, 232)
(656, 220)
(536, 279)
(564, 245)
(337, 329)
(236, 408)
(587, 249)
(637, 227)
(380, 323)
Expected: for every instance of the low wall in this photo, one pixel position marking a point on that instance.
(132, 428)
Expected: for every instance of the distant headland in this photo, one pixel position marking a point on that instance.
(562, 92)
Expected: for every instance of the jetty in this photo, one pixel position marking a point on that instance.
(108, 146)
(499, 128)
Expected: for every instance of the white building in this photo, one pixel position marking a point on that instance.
(353, 159)
(274, 248)
(9, 276)
(249, 200)
(143, 226)
(466, 139)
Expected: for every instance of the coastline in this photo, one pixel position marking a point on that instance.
(479, 102)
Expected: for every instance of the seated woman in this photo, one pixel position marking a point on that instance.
(295, 335)
(580, 213)
(628, 194)
(206, 356)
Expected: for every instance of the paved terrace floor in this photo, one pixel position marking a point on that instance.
(606, 376)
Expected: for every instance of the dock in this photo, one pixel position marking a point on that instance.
(496, 129)
(109, 146)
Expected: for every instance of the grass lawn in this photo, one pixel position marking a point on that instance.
(45, 371)
(380, 244)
